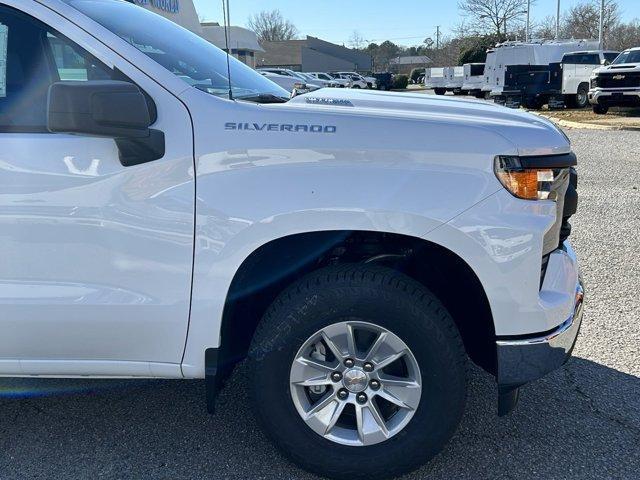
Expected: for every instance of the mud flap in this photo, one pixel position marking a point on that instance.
(507, 399)
(211, 376)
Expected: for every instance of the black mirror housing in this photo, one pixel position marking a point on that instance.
(107, 108)
(103, 108)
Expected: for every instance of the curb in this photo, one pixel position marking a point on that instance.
(589, 126)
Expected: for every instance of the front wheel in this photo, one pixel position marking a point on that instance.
(600, 109)
(439, 91)
(582, 97)
(358, 372)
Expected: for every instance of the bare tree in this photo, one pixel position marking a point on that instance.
(494, 16)
(271, 26)
(356, 40)
(546, 28)
(583, 20)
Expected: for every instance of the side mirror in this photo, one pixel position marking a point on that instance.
(106, 108)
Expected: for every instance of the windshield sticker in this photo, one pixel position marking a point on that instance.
(4, 33)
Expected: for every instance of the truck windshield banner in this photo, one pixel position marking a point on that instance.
(171, 6)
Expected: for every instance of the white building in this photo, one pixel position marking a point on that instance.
(243, 43)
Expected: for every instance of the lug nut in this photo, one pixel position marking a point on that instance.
(368, 367)
(336, 376)
(361, 398)
(343, 394)
(375, 384)
(349, 363)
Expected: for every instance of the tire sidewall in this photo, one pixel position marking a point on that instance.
(443, 378)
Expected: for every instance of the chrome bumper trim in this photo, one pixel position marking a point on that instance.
(522, 360)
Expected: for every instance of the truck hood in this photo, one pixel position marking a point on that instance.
(621, 68)
(530, 134)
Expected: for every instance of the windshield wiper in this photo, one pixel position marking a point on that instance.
(264, 98)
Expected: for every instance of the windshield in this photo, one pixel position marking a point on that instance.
(632, 56)
(185, 54)
(610, 56)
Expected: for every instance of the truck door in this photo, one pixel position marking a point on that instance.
(589, 62)
(95, 257)
(569, 84)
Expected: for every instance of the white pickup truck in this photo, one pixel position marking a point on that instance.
(160, 220)
(618, 84)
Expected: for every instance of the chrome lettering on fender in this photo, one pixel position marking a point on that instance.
(280, 127)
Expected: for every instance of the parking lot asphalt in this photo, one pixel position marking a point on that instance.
(581, 422)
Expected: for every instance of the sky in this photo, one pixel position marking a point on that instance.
(406, 22)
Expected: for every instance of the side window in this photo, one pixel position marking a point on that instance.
(570, 59)
(35, 56)
(610, 57)
(591, 59)
(73, 63)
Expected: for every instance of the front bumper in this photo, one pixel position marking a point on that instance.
(615, 97)
(524, 359)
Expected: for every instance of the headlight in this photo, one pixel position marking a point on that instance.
(594, 82)
(526, 183)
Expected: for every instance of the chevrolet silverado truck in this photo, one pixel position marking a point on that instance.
(618, 84)
(164, 214)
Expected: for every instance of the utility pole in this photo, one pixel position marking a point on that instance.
(601, 34)
(558, 21)
(438, 37)
(526, 38)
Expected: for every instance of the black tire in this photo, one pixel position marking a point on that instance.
(386, 298)
(600, 109)
(582, 98)
(356, 86)
(570, 101)
(440, 91)
(534, 103)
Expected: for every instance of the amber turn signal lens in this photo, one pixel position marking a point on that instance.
(526, 183)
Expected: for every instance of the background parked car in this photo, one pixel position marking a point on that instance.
(332, 83)
(290, 84)
(357, 80)
(384, 81)
(341, 82)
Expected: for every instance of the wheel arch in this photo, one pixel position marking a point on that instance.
(273, 266)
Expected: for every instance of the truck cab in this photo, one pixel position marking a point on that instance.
(577, 69)
(166, 212)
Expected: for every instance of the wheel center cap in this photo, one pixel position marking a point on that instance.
(355, 380)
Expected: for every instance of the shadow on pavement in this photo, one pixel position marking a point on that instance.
(581, 422)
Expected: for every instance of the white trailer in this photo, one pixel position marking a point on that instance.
(435, 78)
(473, 79)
